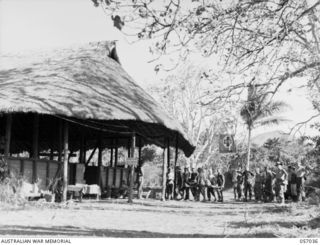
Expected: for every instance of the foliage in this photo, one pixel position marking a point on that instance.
(265, 41)
(184, 99)
(10, 186)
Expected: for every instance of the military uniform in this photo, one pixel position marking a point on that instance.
(239, 186)
(258, 187)
(235, 183)
(201, 183)
(281, 184)
(248, 184)
(220, 183)
(268, 185)
(186, 184)
(193, 185)
(301, 177)
(139, 172)
(211, 184)
(169, 189)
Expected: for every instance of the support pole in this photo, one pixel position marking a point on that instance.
(65, 159)
(111, 154)
(164, 171)
(139, 152)
(8, 135)
(84, 155)
(115, 163)
(81, 148)
(168, 155)
(116, 154)
(60, 141)
(133, 146)
(100, 161)
(35, 147)
(175, 167)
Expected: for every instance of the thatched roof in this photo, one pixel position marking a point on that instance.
(83, 83)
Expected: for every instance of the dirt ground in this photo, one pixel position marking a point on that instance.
(153, 218)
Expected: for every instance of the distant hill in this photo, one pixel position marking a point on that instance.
(260, 139)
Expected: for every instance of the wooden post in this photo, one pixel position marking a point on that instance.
(111, 154)
(168, 155)
(84, 155)
(35, 147)
(81, 151)
(8, 135)
(133, 146)
(65, 159)
(47, 173)
(60, 141)
(99, 160)
(175, 166)
(139, 151)
(116, 154)
(115, 164)
(164, 171)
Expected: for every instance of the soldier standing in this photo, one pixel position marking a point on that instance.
(281, 182)
(178, 183)
(220, 183)
(139, 172)
(193, 184)
(185, 183)
(248, 184)
(258, 185)
(239, 185)
(201, 183)
(211, 185)
(268, 185)
(169, 185)
(235, 175)
(301, 177)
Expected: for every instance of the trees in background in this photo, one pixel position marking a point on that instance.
(263, 41)
(183, 95)
(259, 111)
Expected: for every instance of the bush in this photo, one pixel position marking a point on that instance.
(314, 198)
(10, 186)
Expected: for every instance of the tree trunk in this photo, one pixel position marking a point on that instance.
(249, 148)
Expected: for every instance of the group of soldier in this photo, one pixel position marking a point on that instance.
(271, 184)
(205, 184)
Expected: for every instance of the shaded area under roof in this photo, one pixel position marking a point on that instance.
(83, 85)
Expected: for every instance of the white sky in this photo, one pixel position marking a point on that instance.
(34, 24)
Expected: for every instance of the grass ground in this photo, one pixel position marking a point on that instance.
(153, 218)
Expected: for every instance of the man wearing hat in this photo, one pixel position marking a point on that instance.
(281, 182)
(178, 192)
(301, 177)
(186, 183)
(268, 185)
(248, 184)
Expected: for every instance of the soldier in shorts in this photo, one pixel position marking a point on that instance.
(268, 185)
(258, 185)
(235, 175)
(248, 184)
(281, 182)
(301, 177)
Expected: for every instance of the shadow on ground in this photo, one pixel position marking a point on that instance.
(70, 231)
(284, 224)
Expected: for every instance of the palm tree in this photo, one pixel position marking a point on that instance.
(259, 110)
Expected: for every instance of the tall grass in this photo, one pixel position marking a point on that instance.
(10, 186)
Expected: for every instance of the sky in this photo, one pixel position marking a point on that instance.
(43, 24)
